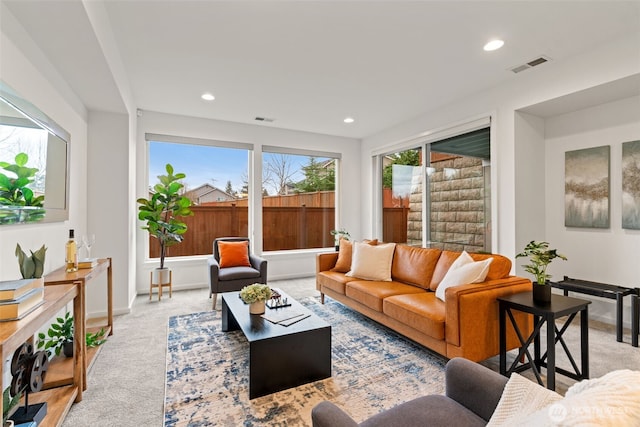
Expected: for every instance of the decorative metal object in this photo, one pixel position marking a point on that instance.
(28, 369)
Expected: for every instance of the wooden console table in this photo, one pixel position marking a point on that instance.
(14, 334)
(60, 368)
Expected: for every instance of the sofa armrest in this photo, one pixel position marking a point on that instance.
(326, 414)
(472, 320)
(326, 261)
(474, 386)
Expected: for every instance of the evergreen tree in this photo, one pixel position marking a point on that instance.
(229, 188)
(317, 177)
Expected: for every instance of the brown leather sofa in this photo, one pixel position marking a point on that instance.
(464, 325)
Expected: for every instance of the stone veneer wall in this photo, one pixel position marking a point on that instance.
(457, 206)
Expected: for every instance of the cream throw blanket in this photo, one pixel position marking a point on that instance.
(611, 400)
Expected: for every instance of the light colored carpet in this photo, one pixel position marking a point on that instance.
(373, 369)
(126, 384)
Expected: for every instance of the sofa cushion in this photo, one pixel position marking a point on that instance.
(343, 264)
(372, 262)
(422, 311)
(472, 272)
(414, 265)
(333, 280)
(371, 293)
(500, 267)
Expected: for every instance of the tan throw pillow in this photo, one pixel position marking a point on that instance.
(372, 262)
(343, 264)
(473, 272)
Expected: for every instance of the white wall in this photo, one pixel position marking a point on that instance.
(32, 78)
(548, 81)
(601, 255)
(518, 149)
(109, 207)
(192, 272)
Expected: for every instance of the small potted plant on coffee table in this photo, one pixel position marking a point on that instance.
(540, 256)
(256, 295)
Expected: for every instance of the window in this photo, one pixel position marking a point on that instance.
(453, 211)
(298, 203)
(216, 183)
(402, 197)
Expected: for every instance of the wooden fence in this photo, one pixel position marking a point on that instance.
(283, 228)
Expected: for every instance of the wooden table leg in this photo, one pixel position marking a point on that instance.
(110, 296)
(79, 366)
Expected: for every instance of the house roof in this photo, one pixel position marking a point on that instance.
(305, 64)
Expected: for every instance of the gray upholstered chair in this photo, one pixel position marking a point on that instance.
(472, 395)
(233, 278)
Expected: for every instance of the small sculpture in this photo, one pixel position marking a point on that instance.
(28, 370)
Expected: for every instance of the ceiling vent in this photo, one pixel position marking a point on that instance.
(531, 64)
(265, 119)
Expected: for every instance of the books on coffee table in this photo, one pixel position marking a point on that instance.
(285, 318)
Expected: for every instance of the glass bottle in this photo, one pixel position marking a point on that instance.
(71, 254)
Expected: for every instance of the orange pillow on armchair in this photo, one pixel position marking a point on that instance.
(234, 254)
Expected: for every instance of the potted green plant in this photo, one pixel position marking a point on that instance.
(255, 295)
(59, 337)
(9, 404)
(540, 256)
(339, 234)
(160, 214)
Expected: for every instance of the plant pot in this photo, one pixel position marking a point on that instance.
(541, 293)
(161, 276)
(67, 348)
(257, 307)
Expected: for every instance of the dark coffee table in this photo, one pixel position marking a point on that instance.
(280, 357)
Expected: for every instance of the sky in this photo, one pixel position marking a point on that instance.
(208, 165)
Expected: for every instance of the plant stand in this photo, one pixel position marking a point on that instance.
(160, 286)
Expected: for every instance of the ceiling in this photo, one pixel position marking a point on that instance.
(308, 64)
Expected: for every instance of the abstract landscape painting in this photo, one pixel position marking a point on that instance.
(631, 185)
(586, 187)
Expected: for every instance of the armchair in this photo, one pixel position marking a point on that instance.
(233, 278)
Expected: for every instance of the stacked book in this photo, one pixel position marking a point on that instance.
(87, 263)
(20, 297)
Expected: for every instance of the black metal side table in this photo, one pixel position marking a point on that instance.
(544, 313)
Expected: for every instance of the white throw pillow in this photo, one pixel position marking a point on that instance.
(520, 398)
(372, 262)
(463, 259)
(474, 272)
(612, 400)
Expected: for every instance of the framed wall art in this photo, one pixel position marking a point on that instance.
(631, 185)
(586, 187)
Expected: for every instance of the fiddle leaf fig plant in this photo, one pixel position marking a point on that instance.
(162, 210)
(31, 266)
(540, 256)
(14, 188)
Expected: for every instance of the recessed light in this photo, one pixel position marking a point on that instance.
(208, 97)
(349, 120)
(493, 45)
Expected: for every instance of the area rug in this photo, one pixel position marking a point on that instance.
(373, 369)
